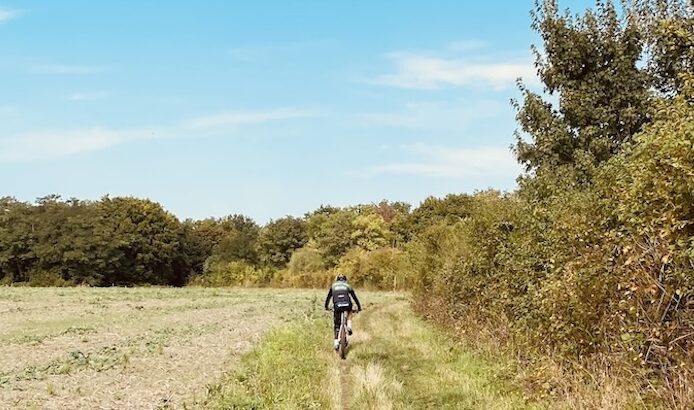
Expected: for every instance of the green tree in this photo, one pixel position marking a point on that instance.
(370, 232)
(16, 239)
(590, 63)
(201, 237)
(279, 239)
(431, 211)
(331, 231)
(397, 217)
(668, 27)
(145, 243)
(239, 243)
(306, 260)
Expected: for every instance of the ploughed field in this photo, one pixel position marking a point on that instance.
(137, 348)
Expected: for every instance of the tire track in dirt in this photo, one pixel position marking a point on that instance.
(361, 336)
(344, 381)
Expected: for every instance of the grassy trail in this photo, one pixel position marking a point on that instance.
(396, 361)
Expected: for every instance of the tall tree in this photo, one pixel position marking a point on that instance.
(332, 233)
(146, 243)
(239, 242)
(201, 237)
(370, 232)
(279, 239)
(16, 239)
(431, 211)
(590, 63)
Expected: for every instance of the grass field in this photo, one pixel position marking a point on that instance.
(152, 348)
(396, 361)
(118, 348)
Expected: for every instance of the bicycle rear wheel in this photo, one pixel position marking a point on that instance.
(343, 336)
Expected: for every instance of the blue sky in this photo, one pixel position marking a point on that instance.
(265, 108)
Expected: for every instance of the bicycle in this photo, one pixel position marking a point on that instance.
(342, 334)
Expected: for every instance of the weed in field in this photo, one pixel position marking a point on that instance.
(50, 388)
(78, 330)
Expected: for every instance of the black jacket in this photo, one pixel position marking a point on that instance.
(340, 291)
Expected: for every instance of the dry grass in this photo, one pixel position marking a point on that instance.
(598, 384)
(140, 348)
(395, 361)
(401, 362)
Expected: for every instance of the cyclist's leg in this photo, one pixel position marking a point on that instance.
(337, 320)
(349, 319)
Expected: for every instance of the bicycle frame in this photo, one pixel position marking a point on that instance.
(342, 336)
(342, 333)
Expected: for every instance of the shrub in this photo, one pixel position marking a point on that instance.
(219, 274)
(44, 278)
(379, 268)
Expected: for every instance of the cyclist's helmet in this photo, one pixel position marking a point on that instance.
(341, 278)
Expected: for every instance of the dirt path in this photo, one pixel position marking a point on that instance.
(397, 361)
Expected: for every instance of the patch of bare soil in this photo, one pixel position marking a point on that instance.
(128, 348)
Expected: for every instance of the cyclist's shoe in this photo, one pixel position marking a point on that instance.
(336, 345)
(349, 331)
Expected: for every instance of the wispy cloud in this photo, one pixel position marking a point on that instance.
(43, 145)
(67, 69)
(7, 14)
(88, 96)
(52, 144)
(440, 161)
(248, 117)
(439, 115)
(426, 72)
(457, 64)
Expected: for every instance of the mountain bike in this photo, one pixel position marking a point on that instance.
(342, 335)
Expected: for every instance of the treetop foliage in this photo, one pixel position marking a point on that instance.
(130, 241)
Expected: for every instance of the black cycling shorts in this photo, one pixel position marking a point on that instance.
(338, 313)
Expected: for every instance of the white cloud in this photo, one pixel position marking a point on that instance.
(248, 117)
(88, 96)
(426, 71)
(60, 143)
(7, 14)
(439, 115)
(439, 161)
(51, 144)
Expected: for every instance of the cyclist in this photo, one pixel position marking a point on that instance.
(342, 295)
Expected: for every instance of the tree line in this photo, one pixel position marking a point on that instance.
(129, 241)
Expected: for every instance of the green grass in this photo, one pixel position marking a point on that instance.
(405, 363)
(285, 371)
(396, 361)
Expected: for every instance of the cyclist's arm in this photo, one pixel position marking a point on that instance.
(356, 300)
(327, 298)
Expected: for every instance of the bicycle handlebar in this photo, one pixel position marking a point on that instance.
(332, 309)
